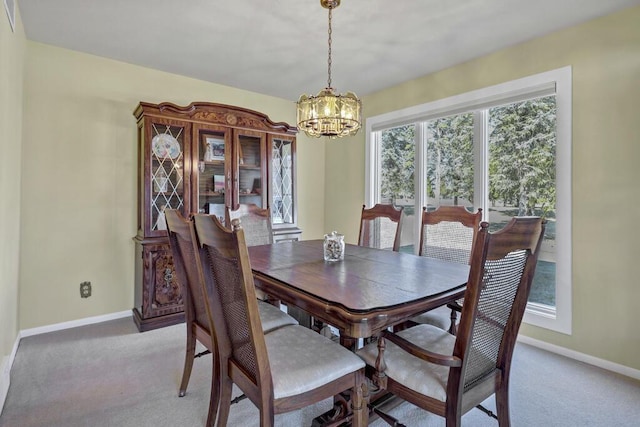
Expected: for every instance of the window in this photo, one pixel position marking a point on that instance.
(397, 176)
(505, 149)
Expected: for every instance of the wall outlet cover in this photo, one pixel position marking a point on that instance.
(85, 289)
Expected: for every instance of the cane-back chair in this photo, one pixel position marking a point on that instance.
(449, 375)
(283, 370)
(196, 319)
(447, 233)
(256, 223)
(381, 227)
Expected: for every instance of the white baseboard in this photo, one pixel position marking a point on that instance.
(576, 355)
(74, 323)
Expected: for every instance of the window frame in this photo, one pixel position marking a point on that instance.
(558, 82)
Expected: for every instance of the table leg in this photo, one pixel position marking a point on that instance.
(348, 342)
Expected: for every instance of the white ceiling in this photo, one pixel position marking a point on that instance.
(279, 47)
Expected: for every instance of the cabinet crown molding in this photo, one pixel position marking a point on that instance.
(227, 115)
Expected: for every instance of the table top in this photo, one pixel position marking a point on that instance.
(366, 292)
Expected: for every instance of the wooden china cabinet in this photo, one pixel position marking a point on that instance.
(201, 158)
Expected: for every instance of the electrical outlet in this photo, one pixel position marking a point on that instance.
(85, 289)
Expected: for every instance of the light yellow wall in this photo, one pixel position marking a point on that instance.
(79, 176)
(605, 55)
(12, 47)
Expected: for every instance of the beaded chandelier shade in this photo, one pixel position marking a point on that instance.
(328, 114)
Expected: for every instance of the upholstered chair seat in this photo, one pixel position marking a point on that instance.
(421, 376)
(273, 318)
(302, 360)
(440, 317)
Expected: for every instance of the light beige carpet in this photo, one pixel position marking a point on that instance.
(109, 374)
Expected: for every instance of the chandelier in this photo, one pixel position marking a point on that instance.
(328, 114)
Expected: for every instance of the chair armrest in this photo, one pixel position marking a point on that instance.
(414, 350)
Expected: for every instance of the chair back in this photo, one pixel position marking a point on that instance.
(185, 264)
(256, 223)
(448, 233)
(381, 227)
(502, 268)
(233, 307)
(217, 209)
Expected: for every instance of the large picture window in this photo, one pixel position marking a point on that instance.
(505, 149)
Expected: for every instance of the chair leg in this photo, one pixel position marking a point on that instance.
(502, 405)
(360, 400)
(267, 417)
(453, 415)
(454, 320)
(214, 399)
(454, 421)
(226, 386)
(188, 362)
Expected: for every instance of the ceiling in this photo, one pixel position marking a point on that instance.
(279, 47)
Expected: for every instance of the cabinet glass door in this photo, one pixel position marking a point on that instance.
(167, 172)
(282, 179)
(213, 173)
(251, 171)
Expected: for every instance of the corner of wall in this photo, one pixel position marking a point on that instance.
(5, 370)
(5, 373)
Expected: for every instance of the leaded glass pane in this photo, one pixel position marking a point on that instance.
(282, 182)
(167, 172)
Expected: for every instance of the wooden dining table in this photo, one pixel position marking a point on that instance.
(361, 295)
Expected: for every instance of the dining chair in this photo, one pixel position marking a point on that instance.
(447, 233)
(284, 370)
(217, 209)
(381, 227)
(449, 375)
(196, 319)
(256, 223)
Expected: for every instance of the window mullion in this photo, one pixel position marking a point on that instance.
(481, 161)
(372, 172)
(421, 197)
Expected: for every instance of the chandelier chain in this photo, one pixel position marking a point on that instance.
(329, 56)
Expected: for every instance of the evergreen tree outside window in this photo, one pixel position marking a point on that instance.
(505, 149)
